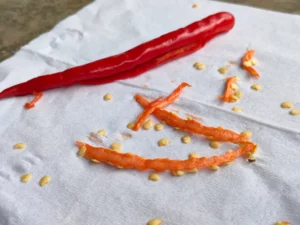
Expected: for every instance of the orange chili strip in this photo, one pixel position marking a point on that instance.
(132, 161)
(31, 104)
(217, 134)
(227, 96)
(246, 63)
(158, 103)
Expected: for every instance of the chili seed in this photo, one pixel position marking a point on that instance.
(214, 144)
(189, 118)
(237, 78)
(256, 87)
(107, 97)
(102, 132)
(193, 155)
(81, 151)
(254, 61)
(234, 86)
(195, 5)
(247, 133)
(223, 70)
(234, 98)
(95, 161)
(116, 147)
(154, 177)
(236, 109)
(286, 105)
(178, 173)
(295, 112)
(282, 223)
(199, 66)
(19, 146)
(155, 222)
(45, 180)
(130, 125)
(252, 158)
(158, 127)
(214, 167)
(247, 63)
(26, 177)
(148, 125)
(163, 142)
(238, 94)
(195, 170)
(186, 139)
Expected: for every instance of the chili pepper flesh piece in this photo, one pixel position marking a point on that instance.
(158, 103)
(228, 93)
(31, 104)
(246, 58)
(132, 161)
(217, 134)
(197, 32)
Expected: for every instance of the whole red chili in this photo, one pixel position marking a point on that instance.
(134, 61)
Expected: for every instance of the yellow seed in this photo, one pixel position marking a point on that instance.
(237, 78)
(148, 125)
(45, 180)
(252, 158)
(223, 70)
(236, 109)
(186, 139)
(177, 173)
(214, 144)
(102, 132)
(282, 223)
(95, 161)
(247, 63)
(195, 170)
(254, 61)
(230, 150)
(195, 5)
(234, 98)
(130, 125)
(238, 94)
(20, 146)
(287, 105)
(256, 87)
(158, 127)
(234, 86)
(107, 97)
(295, 112)
(193, 155)
(155, 222)
(189, 118)
(163, 142)
(247, 133)
(154, 177)
(220, 127)
(26, 177)
(215, 168)
(81, 151)
(199, 66)
(116, 147)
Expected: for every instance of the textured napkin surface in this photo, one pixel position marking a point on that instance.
(84, 193)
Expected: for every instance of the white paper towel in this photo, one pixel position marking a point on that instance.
(84, 193)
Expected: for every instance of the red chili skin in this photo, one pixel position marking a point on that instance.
(134, 61)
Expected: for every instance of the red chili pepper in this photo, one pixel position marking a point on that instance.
(134, 61)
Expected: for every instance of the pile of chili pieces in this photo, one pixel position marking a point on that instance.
(132, 161)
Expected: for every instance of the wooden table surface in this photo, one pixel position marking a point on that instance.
(23, 20)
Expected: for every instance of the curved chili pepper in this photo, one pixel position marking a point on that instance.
(198, 32)
(228, 93)
(217, 134)
(31, 104)
(132, 161)
(247, 60)
(158, 103)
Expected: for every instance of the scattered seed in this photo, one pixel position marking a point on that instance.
(116, 147)
(130, 125)
(163, 142)
(286, 105)
(199, 66)
(95, 161)
(234, 86)
(223, 70)
(214, 144)
(158, 127)
(45, 180)
(247, 133)
(189, 118)
(154, 177)
(282, 223)
(193, 155)
(229, 151)
(237, 78)
(195, 170)
(148, 125)
(215, 168)
(195, 5)
(254, 61)
(295, 112)
(107, 97)
(236, 109)
(238, 94)
(19, 146)
(102, 132)
(234, 98)
(256, 87)
(252, 158)
(26, 177)
(178, 173)
(247, 63)
(155, 222)
(186, 139)
(220, 127)
(81, 151)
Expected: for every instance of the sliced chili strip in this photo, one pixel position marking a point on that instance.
(217, 134)
(31, 104)
(252, 71)
(132, 161)
(247, 58)
(158, 103)
(228, 93)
